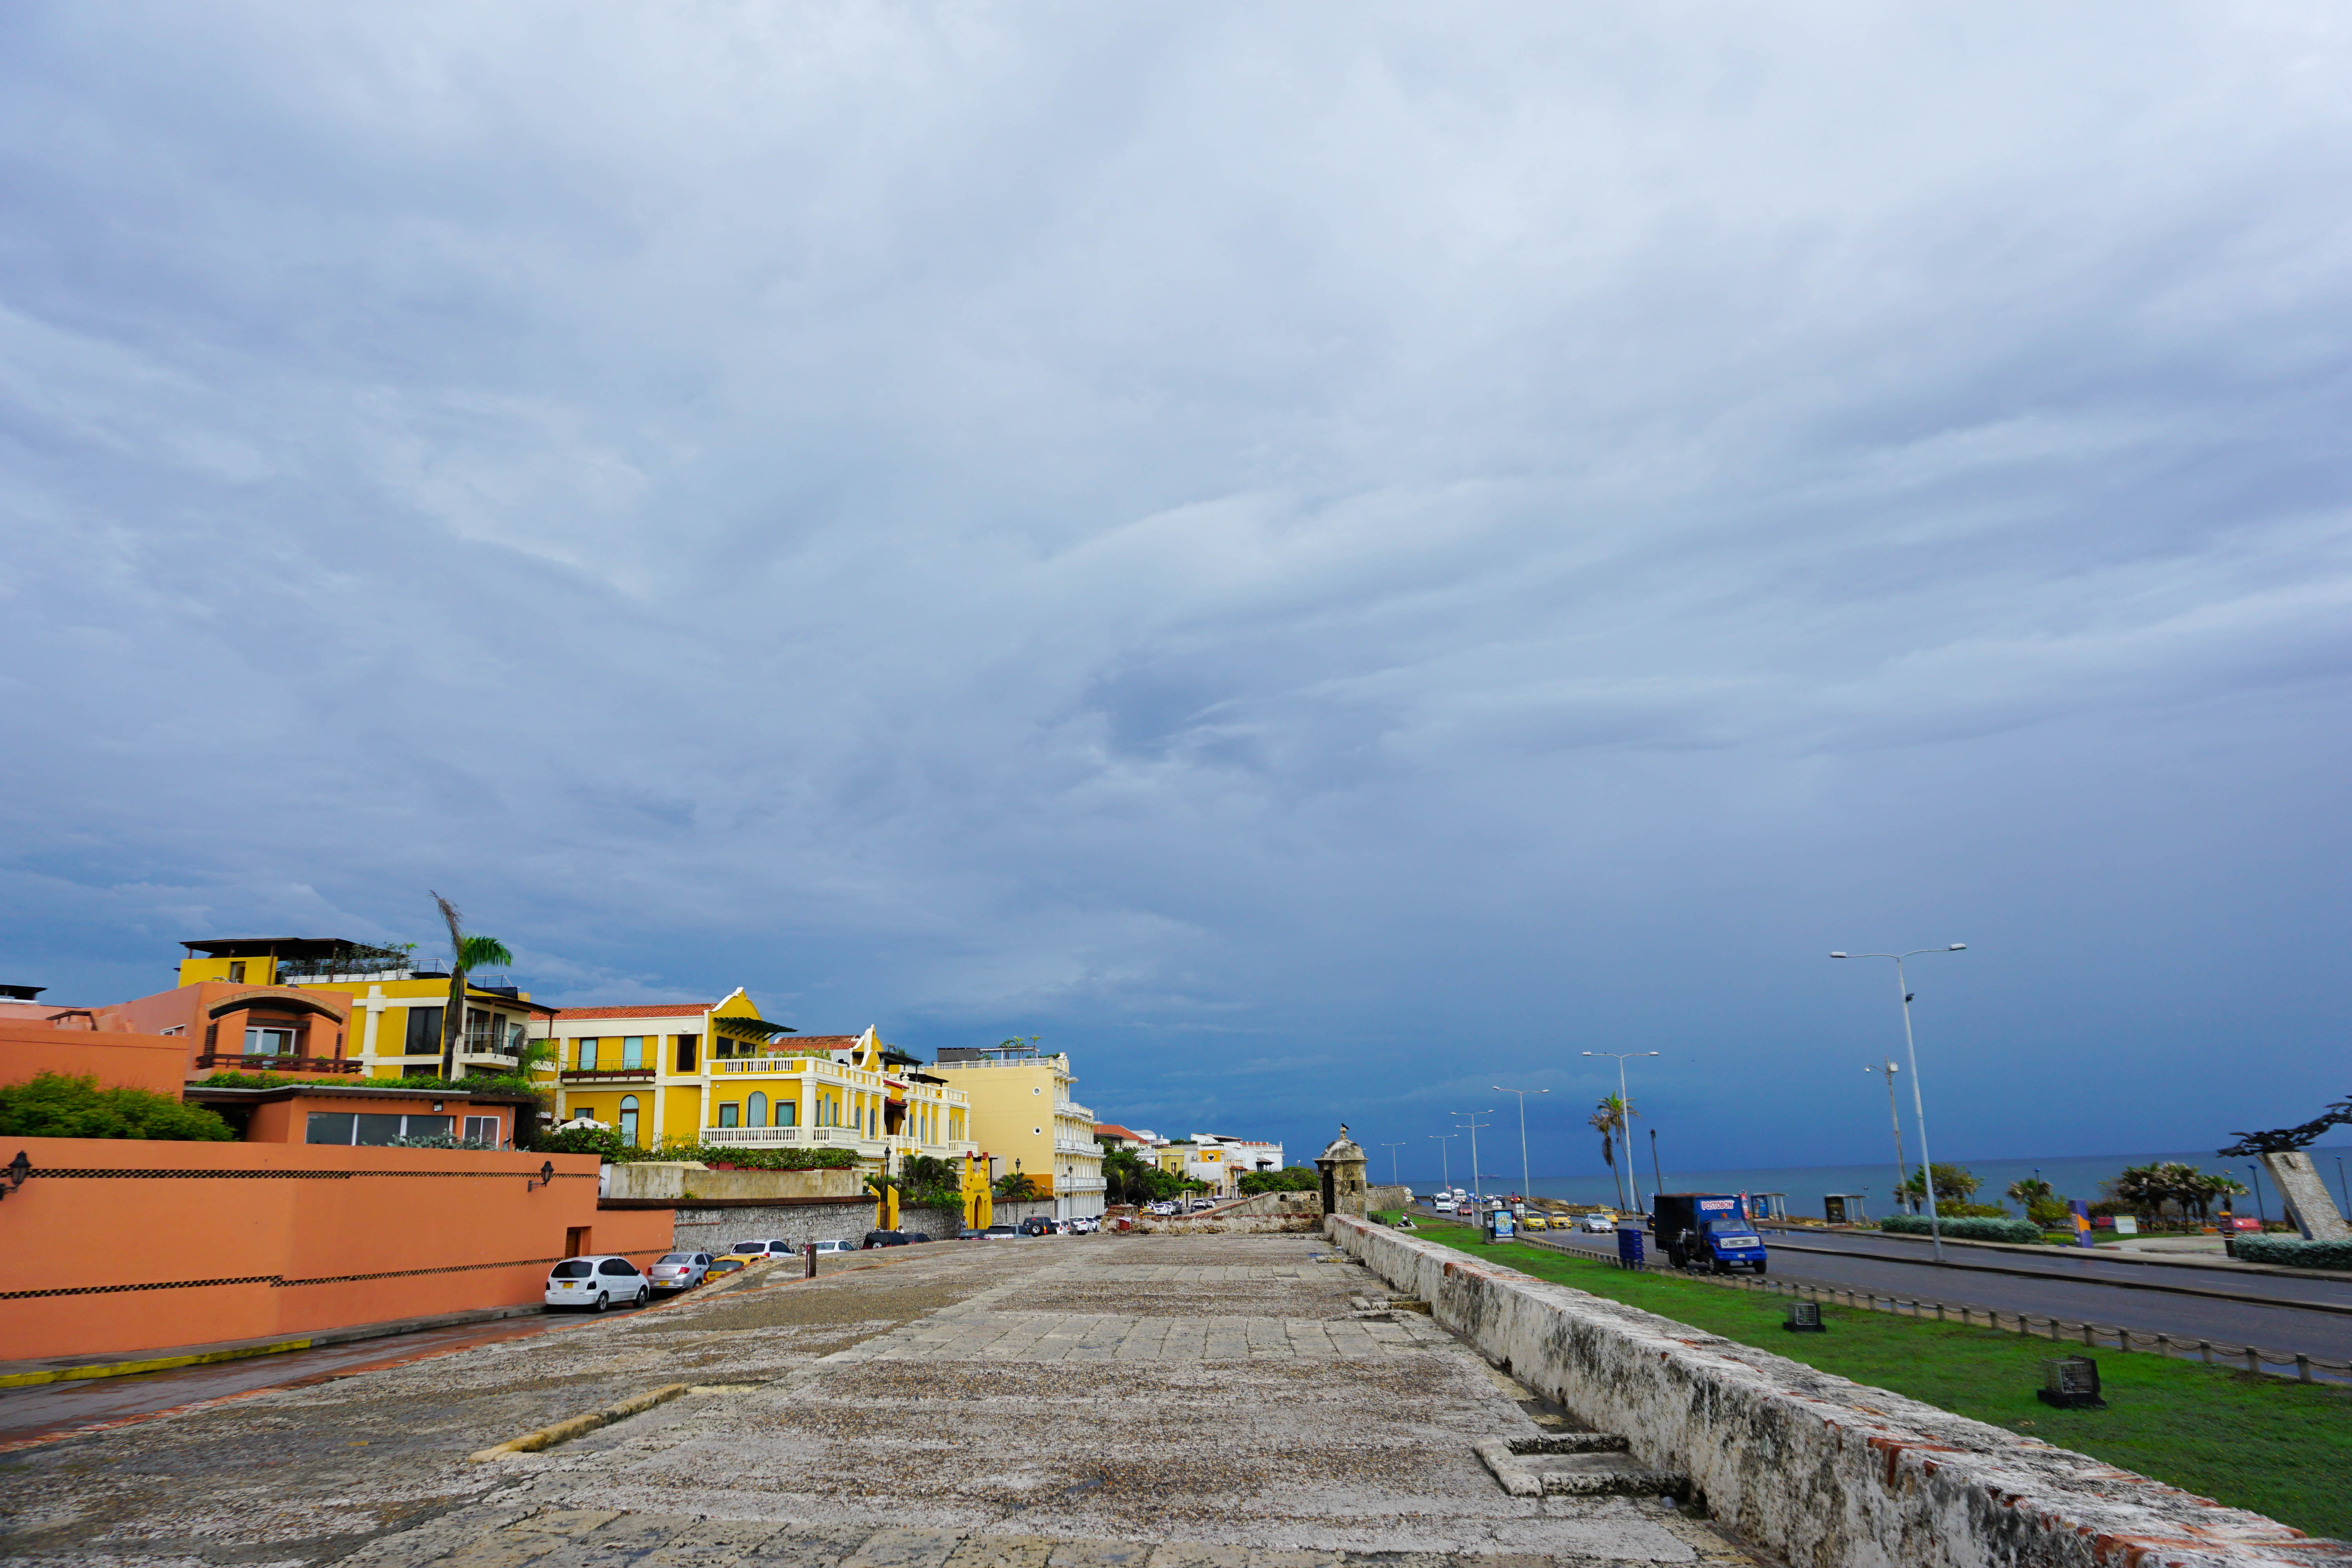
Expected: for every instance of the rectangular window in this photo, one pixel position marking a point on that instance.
(788, 1113)
(730, 1116)
(376, 1131)
(686, 1046)
(479, 1025)
(429, 1127)
(235, 972)
(424, 1032)
(587, 1056)
(270, 1042)
(328, 1126)
(632, 1050)
(482, 1130)
(514, 1039)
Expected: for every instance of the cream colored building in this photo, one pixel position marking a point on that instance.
(1023, 1116)
(1220, 1163)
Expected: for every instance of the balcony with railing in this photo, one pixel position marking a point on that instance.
(606, 1074)
(866, 1146)
(238, 1061)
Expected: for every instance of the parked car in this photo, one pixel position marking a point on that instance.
(680, 1271)
(826, 1248)
(969, 1234)
(596, 1282)
(730, 1264)
(1086, 1225)
(884, 1238)
(1036, 1224)
(1164, 1206)
(768, 1249)
(1002, 1233)
(1197, 1205)
(1598, 1224)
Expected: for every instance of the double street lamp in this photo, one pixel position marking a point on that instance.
(1526, 1184)
(1919, 1105)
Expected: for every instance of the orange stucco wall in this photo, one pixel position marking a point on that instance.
(117, 1061)
(188, 1244)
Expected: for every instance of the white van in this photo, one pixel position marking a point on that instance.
(1443, 1203)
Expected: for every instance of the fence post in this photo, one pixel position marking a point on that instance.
(2253, 1360)
(2205, 1349)
(2303, 1369)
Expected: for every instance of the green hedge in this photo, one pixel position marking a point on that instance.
(606, 1142)
(2294, 1251)
(1966, 1229)
(59, 1105)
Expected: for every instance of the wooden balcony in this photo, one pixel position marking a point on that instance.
(238, 1063)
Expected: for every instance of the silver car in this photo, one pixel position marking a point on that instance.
(679, 1270)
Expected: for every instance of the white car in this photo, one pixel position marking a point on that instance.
(826, 1248)
(1443, 1206)
(1598, 1224)
(596, 1282)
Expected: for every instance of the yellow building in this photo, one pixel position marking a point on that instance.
(397, 1010)
(719, 1073)
(1023, 1116)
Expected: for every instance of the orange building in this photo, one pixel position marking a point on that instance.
(118, 1246)
(229, 1027)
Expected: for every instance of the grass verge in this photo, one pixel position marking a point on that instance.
(2278, 1447)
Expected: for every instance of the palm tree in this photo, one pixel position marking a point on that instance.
(1609, 1120)
(2028, 1191)
(467, 951)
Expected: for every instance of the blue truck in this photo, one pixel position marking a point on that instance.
(1705, 1230)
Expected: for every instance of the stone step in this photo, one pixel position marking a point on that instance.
(1576, 1464)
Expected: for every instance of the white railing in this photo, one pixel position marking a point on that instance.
(1062, 1061)
(1080, 1184)
(1071, 1146)
(751, 1134)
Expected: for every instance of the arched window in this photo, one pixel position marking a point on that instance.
(756, 1109)
(629, 1120)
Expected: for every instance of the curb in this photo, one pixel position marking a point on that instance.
(578, 1426)
(203, 1356)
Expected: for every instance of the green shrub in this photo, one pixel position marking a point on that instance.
(1970, 1211)
(2296, 1252)
(59, 1105)
(1967, 1228)
(601, 1141)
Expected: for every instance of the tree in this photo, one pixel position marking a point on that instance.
(467, 951)
(61, 1105)
(2028, 1191)
(1016, 1187)
(1609, 1119)
(1954, 1184)
(1289, 1179)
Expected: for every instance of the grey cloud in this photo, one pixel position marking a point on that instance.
(1222, 538)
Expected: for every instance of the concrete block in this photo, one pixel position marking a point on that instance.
(899, 1548)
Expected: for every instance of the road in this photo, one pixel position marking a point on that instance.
(2272, 1312)
(45, 1410)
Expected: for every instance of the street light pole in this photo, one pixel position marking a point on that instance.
(1625, 1114)
(1477, 1188)
(1392, 1148)
(1902, 1171)
(1445, 1168)
(1919, 1105)
(1526, 1181)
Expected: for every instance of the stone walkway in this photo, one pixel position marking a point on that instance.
(1066, 1402)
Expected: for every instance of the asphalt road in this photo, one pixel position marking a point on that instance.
(2075, 1289)
(46, 1409)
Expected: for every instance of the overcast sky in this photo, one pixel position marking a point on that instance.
(1321, 558)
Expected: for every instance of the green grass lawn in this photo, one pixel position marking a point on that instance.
(2268, 1444)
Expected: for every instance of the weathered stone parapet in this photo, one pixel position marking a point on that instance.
(1822, 1470)
(683, 1181)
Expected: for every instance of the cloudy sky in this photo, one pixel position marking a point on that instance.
(1321, 558)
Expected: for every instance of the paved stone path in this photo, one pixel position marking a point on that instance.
(1067, 1403)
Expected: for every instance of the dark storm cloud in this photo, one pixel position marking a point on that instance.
(1314, 559)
